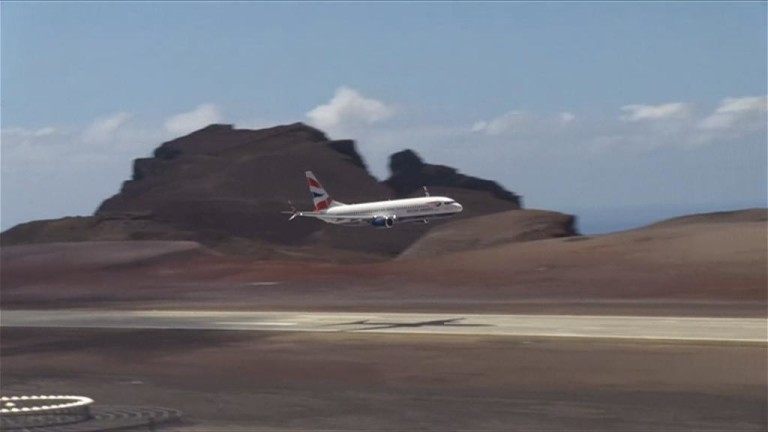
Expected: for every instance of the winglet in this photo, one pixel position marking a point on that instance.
(293, 212)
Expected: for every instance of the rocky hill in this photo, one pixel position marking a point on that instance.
(479, 196)
(225, 187)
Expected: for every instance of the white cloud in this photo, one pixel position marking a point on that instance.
(70, 170)
(744, 113)
(23, 149)
(115, 136)
(46, 131)
(184, 123)
(639, 128)
(515, 144)
(103, 129)
(23, 132)
(20, 156)
(348, 110)
(523, 124)
(669, 111)
(566, 118)
(511, 122)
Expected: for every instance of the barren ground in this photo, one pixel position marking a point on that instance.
(349, 382)
(226, 381)
(695, 269)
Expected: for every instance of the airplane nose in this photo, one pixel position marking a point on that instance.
(459, 207)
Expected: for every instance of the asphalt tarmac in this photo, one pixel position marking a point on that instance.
(741, 330)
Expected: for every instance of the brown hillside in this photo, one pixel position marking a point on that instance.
(749, 215)
(719, 256)
(479, 196)
(491, 230)
(702, 269)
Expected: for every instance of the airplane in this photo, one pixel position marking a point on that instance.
(380, 214)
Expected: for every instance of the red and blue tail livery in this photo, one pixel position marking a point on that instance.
(320, 197)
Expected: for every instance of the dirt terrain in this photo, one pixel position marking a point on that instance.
(226, 381)
(708, 267)
(492, 230)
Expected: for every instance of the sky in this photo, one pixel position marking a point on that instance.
(621, 113)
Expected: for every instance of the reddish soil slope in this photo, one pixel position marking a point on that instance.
(705, 269)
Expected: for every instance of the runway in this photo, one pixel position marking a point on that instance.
(744, 330)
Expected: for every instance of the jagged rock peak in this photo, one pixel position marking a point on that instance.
(215, 127)
(216, 138)
(302, 129)
(297, 127)
(405, 162)
(409, 173)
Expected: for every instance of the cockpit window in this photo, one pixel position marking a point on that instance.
(450, 202)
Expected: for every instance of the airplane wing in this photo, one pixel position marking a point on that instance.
(382, 221)
(326, 216)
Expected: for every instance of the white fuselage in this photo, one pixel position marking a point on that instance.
(418, 209)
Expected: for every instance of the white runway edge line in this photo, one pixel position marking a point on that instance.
(740, 330)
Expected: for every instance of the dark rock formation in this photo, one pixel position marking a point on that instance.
(225, 187)
(410, 173)
(479, 196)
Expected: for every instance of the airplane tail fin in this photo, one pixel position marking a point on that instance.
(322, 200)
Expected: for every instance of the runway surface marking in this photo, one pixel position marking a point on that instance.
(556, 326)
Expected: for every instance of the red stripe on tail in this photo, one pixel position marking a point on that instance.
(324, 204)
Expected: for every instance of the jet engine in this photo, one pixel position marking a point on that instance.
(383, 222)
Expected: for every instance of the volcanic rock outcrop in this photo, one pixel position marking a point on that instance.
(479, 196)
(225, 188)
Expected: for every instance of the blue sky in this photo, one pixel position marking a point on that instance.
(593, 108)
